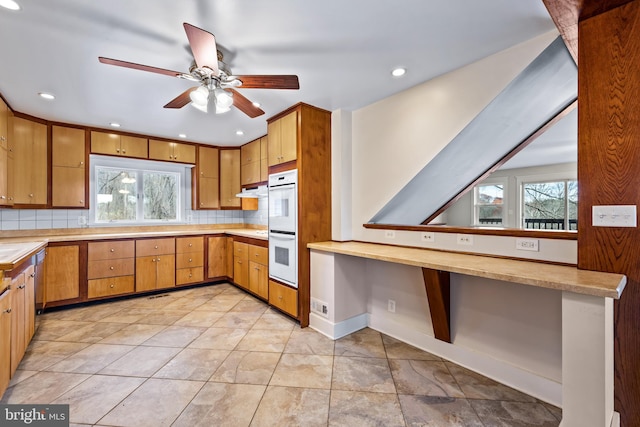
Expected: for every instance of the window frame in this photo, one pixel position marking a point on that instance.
(141, 166)
(475, 214)
(541, 179)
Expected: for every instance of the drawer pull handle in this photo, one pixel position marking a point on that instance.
(113, 250)
(156, 247)
(190, 260)
(21, 287)
(111, 268)
(280, 297)
(190, 244)
(32, 275)
(112, 285)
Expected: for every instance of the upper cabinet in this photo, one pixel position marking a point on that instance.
(253, 162)
(4, 155)
(172, 151)
(68, 167)
(28, 153)
(207, 181)
(283, 138)
(230, 178)
(118, 145)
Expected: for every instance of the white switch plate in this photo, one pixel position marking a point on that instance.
(391, 306)
(527, 245)
(390, 234)
(614, 216)
(428, 236)
(464, 239)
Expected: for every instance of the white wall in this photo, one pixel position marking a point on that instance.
(390, 141)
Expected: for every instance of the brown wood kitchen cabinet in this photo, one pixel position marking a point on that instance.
(259, 271)
(68, 167)
(189, 260)
(28, 151)
(217, 257)
(230, 178)
(155, 264)
(5, 336)
(62, 273)
(207, 179)
(172, 151)
(114, 144)
(110, 268)
(283, 297)
(241, 264)
(254, 168)
(22, 312)
(4, 154)
(283, 138)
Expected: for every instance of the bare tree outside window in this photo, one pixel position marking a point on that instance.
(160, 196)
(489, 204)
(551, 205)
(116, 195)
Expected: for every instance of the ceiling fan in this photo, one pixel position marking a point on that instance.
(216, 91)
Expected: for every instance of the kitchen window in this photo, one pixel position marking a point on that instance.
(489, 202)
(134, 191)
(551, 205)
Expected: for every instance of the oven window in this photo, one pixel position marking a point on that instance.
(280, 208)
(282, 256)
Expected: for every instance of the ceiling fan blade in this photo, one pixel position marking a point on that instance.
(140, 67)
(244, 105)
(269, 82)
(180, 100)
(203, 47)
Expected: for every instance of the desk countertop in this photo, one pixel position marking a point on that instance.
(562, 278)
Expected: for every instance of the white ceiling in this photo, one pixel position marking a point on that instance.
(342, 51)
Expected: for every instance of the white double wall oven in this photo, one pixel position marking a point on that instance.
(283, 227)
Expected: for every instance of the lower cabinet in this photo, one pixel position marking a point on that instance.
(110, 286)
(189, 260)
(241, 264)
(283, 297)
(155, 264)
(62, 273)
(110, 268)
(5, 338)
(259, 271)
(217, 257)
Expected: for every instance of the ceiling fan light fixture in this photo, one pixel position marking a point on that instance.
(9, 4)
(199, 97)
(221, 100)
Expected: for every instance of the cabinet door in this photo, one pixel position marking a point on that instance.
(68, 187)
(132, 146)
(18, 343)
(4, 177)
(217, 257)
(250, 152)
(4, 124)
(250, 173)
(283, 297)
(67, 147)
(273, 138)
(184, 153)
(208, 162)
(145, 273)
(161, 150)
(105, 143)
(241, 272)
(208, 193)
(29, 303)
(289, 137)
(264, 159)
(165, 271)
(5, 340)
(62, 273)
(230, 178)
(30, 161)
(258, 279)
(208, 196)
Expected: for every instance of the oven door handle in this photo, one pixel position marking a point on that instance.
(282, 236)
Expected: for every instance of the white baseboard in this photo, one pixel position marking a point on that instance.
(542, 388)
(340, 329)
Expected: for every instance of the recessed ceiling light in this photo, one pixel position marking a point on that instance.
(182, 135)
(44, 94)
(239, 133)
(114, 125)
(9, 4)
(398, 72)
(256, 104)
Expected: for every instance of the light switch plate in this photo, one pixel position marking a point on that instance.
(614, 216)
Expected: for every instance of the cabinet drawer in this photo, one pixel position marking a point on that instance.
(190, 259)
(110, 268)
(111, 286)
(240, 250)
(189, 275)
(189, 244)
(111, 250)
(259, 254)
(151, 247)
(283, 297)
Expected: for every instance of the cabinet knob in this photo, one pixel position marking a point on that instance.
(81, 201)
(201, 204)
(113, 250)
(117, 150)
(124, 151)
(81, 163)
(156, 247)
(190, 275)
(8, 310)
(189, 259)
(111, 268)
(3, 197)
(111, 286)
(21, 287)
(32, 275)
(157, 259)
(190, 244)
(279, 297)
(31, 195)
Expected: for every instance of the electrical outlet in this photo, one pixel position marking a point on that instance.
(464, 239)
(428, 236)
(390, 234)
(527, 245)
(320, 307)
(391, 306)
(82, 220)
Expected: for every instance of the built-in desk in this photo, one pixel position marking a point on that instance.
(587, 311)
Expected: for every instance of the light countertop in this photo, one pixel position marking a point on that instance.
(12, 254)
(562, 278)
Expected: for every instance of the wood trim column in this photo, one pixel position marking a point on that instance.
(609, 174)
(437, 284)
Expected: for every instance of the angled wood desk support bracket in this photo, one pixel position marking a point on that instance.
(436, 282)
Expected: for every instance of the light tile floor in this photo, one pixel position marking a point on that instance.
(216, 356)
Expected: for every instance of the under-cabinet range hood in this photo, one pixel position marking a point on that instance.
(254, 192)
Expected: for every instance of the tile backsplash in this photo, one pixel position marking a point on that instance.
(32, 219)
